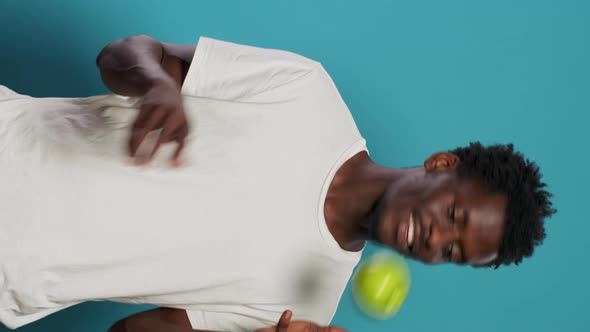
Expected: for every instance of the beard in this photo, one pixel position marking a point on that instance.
(375, 219)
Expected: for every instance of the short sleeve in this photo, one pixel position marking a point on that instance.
(7, 93)
(234, 72)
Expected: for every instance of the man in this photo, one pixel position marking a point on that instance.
(268, 203)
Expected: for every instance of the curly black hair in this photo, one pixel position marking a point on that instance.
(504, 170)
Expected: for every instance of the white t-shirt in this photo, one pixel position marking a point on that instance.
(234, 237)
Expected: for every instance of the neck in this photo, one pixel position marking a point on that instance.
(352, 197)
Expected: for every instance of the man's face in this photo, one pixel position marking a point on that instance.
(435, 216)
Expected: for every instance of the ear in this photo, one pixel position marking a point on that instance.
(441, 161)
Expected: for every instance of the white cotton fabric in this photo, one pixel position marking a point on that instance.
(234, 237)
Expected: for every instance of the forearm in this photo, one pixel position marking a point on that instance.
(146, 325)
(131, 66)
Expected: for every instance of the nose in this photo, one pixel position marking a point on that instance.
(441, 236)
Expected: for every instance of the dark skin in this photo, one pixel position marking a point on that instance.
(141, 66)
(454, 219)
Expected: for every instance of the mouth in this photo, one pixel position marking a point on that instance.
(408, 233)
(411, 233)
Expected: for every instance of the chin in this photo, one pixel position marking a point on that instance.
(384, 227)
(375, 226)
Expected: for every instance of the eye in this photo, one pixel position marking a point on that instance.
(452, 212)
(449, 253)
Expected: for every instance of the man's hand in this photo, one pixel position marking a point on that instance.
(141, 66)
(284, 321)
(285, 325)
(161, 109)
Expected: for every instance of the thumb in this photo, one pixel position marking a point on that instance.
(337, 329)
(284, 321)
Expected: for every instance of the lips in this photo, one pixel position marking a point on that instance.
(408, 234)
(411, 228)
(403, 231)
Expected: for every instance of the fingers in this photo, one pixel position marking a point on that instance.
(147, 121)
(170, 134)
(174, 128)
(176, 157)
(284, 321)
(336, 329)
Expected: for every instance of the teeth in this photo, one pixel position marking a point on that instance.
(411, 230)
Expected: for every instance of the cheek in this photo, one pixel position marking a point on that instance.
(430, 256)
(407, 192)
(435, 195)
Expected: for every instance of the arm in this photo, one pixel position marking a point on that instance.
(132, 65)
(141, 66)
(176, 320)
(155, 320)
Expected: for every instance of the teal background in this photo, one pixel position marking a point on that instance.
(418, 76)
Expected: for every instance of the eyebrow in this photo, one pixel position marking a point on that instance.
(463, 258)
